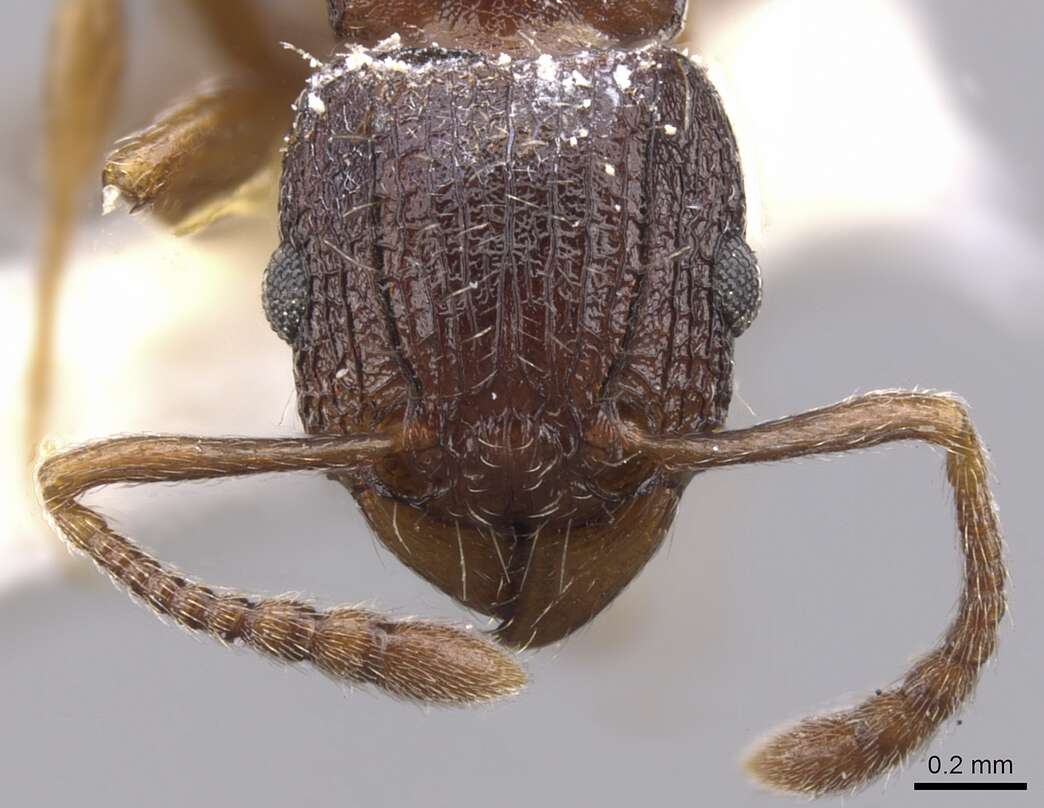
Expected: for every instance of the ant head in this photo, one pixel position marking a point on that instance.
(426, 224)
(509, 26)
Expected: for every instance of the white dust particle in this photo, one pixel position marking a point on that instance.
(314, 63)
(573, 141)
(356, 59)
(580, 79)
(505, 59)
(622, 76)
(583, 131)
(110, 198)
(391, 43)
(610, 169)
(546, 67)
(316, 104)
(670, 130)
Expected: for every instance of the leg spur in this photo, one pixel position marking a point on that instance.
(411, 659)
(846, 749)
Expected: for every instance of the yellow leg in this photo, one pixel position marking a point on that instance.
(239, 31)
(83, 77)
(199, 161)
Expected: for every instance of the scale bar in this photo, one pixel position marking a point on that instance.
(958, 786)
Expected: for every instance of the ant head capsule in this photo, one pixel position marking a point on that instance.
(517, 27)
(489, 235)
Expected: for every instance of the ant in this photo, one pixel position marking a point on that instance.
(511, 271)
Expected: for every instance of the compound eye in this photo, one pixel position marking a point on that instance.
(285, 292)
(737, 283)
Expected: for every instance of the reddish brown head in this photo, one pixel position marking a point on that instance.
(504, 259)
(509, 26)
